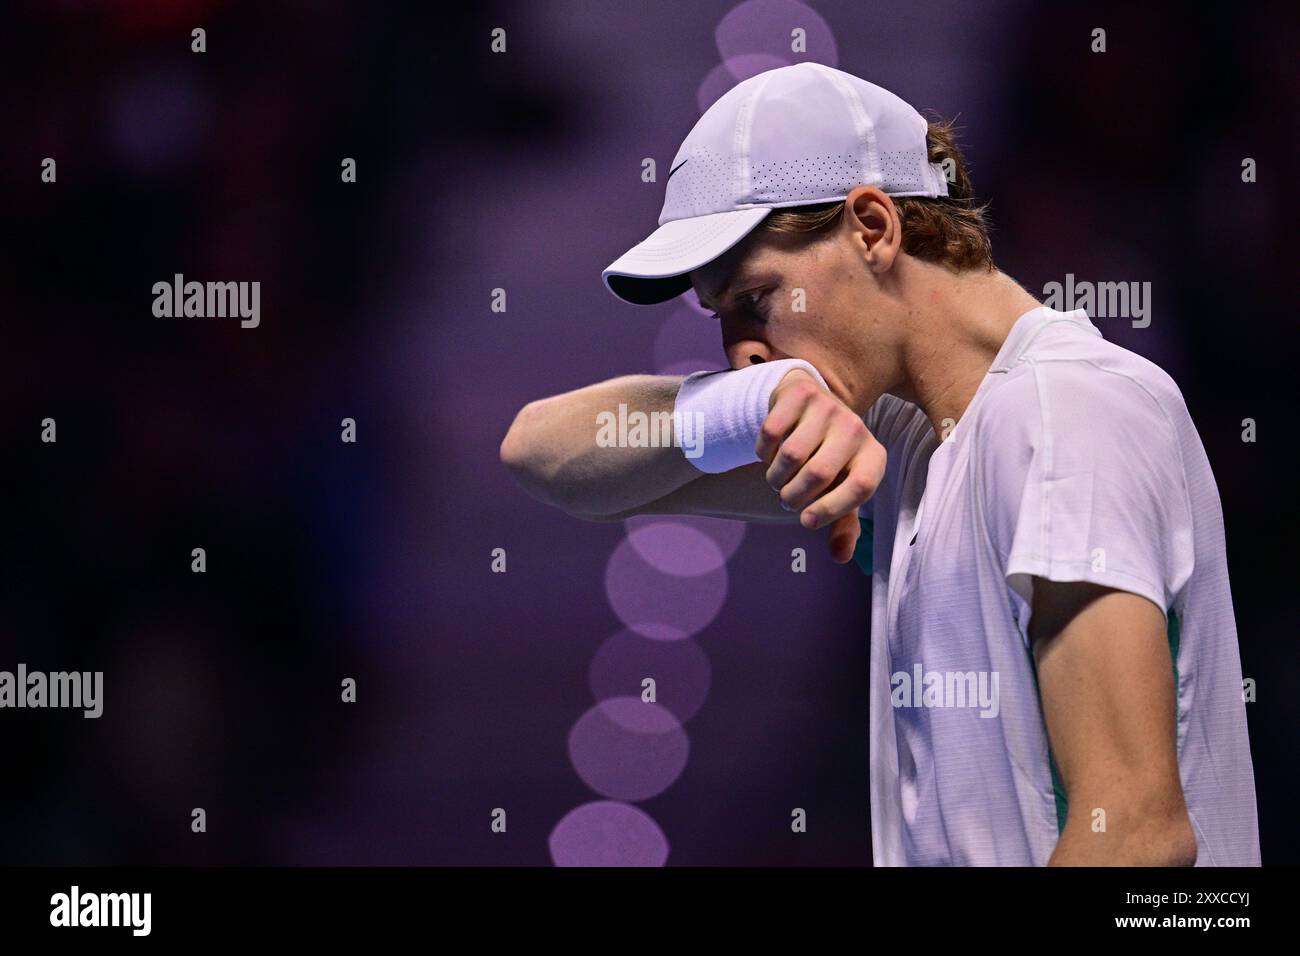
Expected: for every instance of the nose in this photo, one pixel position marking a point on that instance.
(743, 352)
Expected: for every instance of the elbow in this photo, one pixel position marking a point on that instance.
(516, 447)
(521, 452)
(1166, 837)
(1176, 846)
(1161, 837)
(526, 455)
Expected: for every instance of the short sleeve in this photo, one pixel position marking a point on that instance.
(1083, 480)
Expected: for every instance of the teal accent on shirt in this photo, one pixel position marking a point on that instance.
(862, 553)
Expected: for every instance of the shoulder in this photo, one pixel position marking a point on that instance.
(1081, 462)
(1100, 394)
(1083, 433)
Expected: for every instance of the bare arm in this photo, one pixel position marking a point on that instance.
(817, 458)
(551, 449)
(1106, 680)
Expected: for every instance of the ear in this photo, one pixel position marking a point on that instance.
(872, 218)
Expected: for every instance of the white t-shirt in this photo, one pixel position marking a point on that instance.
(1075, 461)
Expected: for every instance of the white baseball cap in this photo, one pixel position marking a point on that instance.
(791, 136)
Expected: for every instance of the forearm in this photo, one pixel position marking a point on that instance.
(765, 443)
(741, 494)
(553, 448)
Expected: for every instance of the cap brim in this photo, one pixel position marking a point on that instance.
(656, 269)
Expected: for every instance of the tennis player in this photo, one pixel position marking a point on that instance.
(1055, 676)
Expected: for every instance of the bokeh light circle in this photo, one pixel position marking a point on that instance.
(627, 749)
(680, 670)
(675, 548)
(726, 75)
(607, 833)
(765, 27)
(657, 604)
(684, 545)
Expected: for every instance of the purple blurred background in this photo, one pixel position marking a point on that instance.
(521, 171)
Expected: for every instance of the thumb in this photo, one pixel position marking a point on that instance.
(844, 534)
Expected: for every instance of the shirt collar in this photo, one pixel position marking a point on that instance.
(1026, 329)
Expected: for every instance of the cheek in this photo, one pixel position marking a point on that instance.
(822, 336)
(799, 335)
(802, 319)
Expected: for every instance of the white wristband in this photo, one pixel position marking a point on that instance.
(718, 415)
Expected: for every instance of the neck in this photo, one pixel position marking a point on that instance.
(954, 326)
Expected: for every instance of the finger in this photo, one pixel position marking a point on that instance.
(800, 445)
(845, 531)
(783, 416)
(837, 449)
(857, 484)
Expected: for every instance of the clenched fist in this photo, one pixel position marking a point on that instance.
(821, 459)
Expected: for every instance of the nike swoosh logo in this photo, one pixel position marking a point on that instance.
(677, 167)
